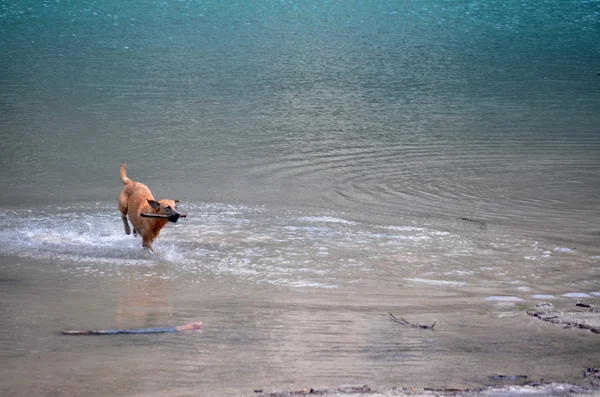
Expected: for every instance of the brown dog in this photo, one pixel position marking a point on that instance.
(147, 215)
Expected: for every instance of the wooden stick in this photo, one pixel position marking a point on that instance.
(179, 328)
(162, 216)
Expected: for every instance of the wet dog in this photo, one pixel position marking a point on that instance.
(147, 216)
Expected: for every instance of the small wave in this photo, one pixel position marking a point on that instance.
(325, 219)
(437, 282)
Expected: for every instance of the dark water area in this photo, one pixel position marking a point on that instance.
(337, 161)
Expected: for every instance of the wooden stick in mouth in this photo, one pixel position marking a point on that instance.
(164, 216)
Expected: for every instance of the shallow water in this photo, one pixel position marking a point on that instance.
(337, 162)
(288, 299)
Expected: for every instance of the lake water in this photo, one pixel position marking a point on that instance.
(337, 161)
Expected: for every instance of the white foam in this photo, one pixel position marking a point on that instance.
(307, 284)
(504, 299)
(524, 288)
(543, 296)
(307, 228)
(563, 249)
(436, 282)
(576, 295)
(412, 238)
(249, 243)
(325, 219)
(406, 228)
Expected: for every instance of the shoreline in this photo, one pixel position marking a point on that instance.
(535, 389)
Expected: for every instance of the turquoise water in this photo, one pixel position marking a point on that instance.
(337, 161)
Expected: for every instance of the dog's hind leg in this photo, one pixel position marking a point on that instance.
(126, 224)
(123, 209)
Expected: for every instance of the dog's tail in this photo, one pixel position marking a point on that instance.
(124, 178)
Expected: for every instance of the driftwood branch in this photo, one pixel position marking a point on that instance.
(179, 328)
(409, 324)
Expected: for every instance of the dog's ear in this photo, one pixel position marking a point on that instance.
(154, 204)
(176, 201)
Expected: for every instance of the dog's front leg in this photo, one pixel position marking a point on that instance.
(147, 243)
(127, 229)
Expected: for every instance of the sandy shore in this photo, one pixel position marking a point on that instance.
(533, 390)
(578, 315)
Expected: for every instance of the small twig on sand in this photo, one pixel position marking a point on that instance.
(480, 223)
(592, 372)
(510, 378)
(409, 324)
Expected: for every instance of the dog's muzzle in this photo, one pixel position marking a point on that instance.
(174, 217)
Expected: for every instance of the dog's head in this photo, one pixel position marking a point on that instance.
(167, 208)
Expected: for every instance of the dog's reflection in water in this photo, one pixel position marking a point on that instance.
(144, 299)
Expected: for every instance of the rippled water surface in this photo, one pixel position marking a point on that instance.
(337, 161)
